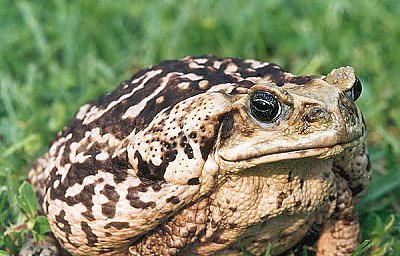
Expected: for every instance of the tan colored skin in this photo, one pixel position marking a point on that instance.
(259, 183)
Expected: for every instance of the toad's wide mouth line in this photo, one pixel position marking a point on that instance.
(319, 152)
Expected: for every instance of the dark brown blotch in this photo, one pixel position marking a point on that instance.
(173, 200)
(110, 193)
(188, 151)
(108, 209)
(156, 187)
(149, 170)
(137, 203)
(88, 215)
(90, 236)
(117, 224)
(65, 226)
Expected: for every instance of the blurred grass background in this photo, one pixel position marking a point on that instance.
(56, 55)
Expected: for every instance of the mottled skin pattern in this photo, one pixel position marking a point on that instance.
(173, 162)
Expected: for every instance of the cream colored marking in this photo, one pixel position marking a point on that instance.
(93, 113)
(135, 110)
(111, 140)
(102, 156)
(194, 65)
(231, 68)
(74, 215)
(56, 144)
(119, 151)
(183, 85)
(203, 84)
(260, 80)
(146, 197)
(56, 183)
(192, 76)
(160, 100)
(217, 64)
(208, 173)
(180, 173)
(260, 65)
(98, 200)
(222, 87)
(69, 136)
(256, 64)
(74, 190)
(97, 114)
(73, 147)
(81, 157)
(63, 171)
(125, 86)
(54, 208)
(186, 58)
(82, 111)
(201, 60)
(94, 135)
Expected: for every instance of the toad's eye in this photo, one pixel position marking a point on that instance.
(264, 106)
(355, 91)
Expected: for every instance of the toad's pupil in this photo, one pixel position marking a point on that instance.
(264, 106)
(357, 88)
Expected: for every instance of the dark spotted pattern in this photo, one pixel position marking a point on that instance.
(117, 166)
(119, 154)
(214, 76)
(112, 121)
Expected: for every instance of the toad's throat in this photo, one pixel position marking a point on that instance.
(322, 152)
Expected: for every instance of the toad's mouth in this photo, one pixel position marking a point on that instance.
(323, 152)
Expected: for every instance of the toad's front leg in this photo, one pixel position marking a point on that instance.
(340, 235)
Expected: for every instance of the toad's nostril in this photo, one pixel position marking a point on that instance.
(315, 113)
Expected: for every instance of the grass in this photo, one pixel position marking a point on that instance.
(56, 55)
